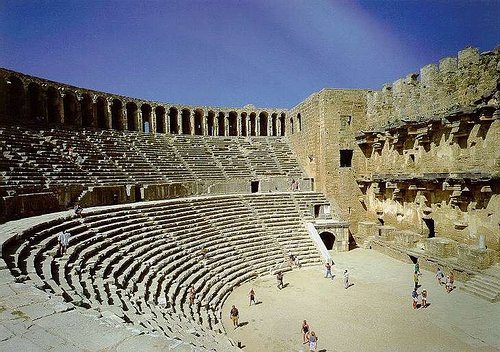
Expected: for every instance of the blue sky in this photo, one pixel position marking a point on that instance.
(270, 53)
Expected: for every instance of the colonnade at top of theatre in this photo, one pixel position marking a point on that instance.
(29, 99)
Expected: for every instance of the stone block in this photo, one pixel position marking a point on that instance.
(407, 239)
(386, 232)
(441, 247)
(474, 256)
(367, 229)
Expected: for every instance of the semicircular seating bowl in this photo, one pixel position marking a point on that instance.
(137, 261)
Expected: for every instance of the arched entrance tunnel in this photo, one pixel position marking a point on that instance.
(328, 239)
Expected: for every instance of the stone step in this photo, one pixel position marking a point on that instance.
(477, 291)
(486, 282)
(483, 286)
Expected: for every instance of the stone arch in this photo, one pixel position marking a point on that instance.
(146, 118)
(186, 121)
(37, 103)
(173, 114)
(70, 105)
(54, 106)
(263, 123)
(328, 239)
(102, 113)
(221, 121)
(291, 125)
(16, 97)
(198, 122)
(253, 125)
(132, 116)
(211, 123)
(117, 115)
(282, 124)
(244, 124)
(160, 119)
(233, 123)
(87, 110)
(274, 124)
(299, 122)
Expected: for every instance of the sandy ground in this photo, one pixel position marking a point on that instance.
(374, 314)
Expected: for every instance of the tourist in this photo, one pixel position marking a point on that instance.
(414, 298)
(203, 253)
(234, 315)
(415, 279)
(252, 297)
(346, 279)
(279, 278)
(297, 262)
(450, 279)
(313, 341)
(424, 298)
(78, 210)
(192, 294)
(439, 276)
(305, 332)
(417, 268)
(328, 272)
(63, 239)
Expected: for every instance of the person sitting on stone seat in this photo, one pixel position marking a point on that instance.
(78, 210)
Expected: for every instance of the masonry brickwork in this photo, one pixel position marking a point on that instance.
(425, 159)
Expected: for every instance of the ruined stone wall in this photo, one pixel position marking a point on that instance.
(425, 157)
(431, 150)
(456, 81)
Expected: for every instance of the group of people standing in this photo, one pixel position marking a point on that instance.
(447, 281)
(328, 274)
(309, 337)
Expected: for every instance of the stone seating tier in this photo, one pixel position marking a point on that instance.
(35, 159)
(126, 259)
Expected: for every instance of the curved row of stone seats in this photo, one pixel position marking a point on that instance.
(281, 216)
(198, 157)
(38, 153)
(97, 289)
(260, 157)
(86, 155)
(158, 150)
(112, 144)
(286, 159)
(232, 160)
(138, 261)
(34, 159)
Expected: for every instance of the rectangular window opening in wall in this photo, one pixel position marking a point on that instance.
(345, 121)
(346, 157)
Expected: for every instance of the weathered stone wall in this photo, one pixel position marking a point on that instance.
(425, 156)
(456, 81)
(432, 161)
(330, 119)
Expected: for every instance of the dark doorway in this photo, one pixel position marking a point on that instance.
(430, 227)
(254, 186)
(345, 158)
(328, 239)
(317, 209)
(138, 193)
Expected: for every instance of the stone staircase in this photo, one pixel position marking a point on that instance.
(484, 286)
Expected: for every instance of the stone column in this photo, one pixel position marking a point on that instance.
(191, 122)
